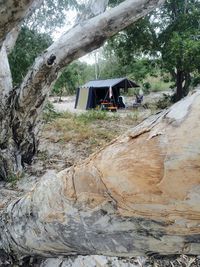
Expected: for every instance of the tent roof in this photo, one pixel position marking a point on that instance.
(121, 82)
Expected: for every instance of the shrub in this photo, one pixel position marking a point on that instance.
(165, 102)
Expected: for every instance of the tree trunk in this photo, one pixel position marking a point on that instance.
(187, 82)
(137, 196)
(28, 100)
(179, 85)
(7, 161)
(183, 80)
(12, 13)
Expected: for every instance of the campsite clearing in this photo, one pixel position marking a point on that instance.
(74, 134)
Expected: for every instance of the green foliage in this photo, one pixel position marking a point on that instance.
(28, 46)
(179, 42)
(74, 75)
(195, 81)
(168, 38)
(164, 102)
(52, 14)
(31, 44)
(49, 112)
(111, 68)
(146, 87)
(92, 115)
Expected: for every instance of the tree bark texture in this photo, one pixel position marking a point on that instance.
(28, 100)
(7, 158)
(138, 196)
(12, 13)
(179, 84)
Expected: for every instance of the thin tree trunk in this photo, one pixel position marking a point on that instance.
(187, 82)
(179, 85)
(137, 196)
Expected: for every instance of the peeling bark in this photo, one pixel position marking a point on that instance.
(22, 108)
(137, 196)
(6, 147)
(12, 13)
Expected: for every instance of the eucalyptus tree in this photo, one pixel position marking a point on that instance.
(138, 195)
(18, 139)
(179, 42)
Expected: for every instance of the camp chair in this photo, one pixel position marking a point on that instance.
(120, 103)
(138, 101)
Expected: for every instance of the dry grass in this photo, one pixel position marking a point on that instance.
(68, 138)
(94, 127)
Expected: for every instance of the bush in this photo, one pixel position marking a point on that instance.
(49, 112)
(93, 115)
(195, 81)
(165, 102)
(146, 88)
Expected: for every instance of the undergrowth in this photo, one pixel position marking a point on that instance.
(94, 127)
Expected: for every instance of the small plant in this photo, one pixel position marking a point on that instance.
(165, 102)
(146, 88)
(132, 117)
(92, 115)
(14, 178)
(49, 112)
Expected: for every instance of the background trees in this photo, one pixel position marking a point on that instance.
(179, 42)
(29, 45)
(22, 107)
(168, 36)
(74, 75)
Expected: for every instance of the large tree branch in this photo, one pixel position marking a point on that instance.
(77, 42)
(73, 44)
(139, 195)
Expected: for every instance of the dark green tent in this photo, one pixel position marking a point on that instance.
(92, 93)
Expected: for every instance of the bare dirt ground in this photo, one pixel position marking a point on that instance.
(68, 102)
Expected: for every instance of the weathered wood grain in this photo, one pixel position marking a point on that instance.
(137, 196)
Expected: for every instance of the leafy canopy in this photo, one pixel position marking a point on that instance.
(170, 35)
(29, 45)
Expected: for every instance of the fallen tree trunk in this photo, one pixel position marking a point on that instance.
(137, 196)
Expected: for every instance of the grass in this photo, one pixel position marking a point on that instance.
(157, 84)
(94, 127)
(68, 137)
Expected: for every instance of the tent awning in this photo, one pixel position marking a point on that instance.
(118, 82)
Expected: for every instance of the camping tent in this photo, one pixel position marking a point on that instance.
(92, 93)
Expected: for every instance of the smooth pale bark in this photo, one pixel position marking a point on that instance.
(29, 100)
(11, 38)
(139, 195)
(12, 13)
(7, 146)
